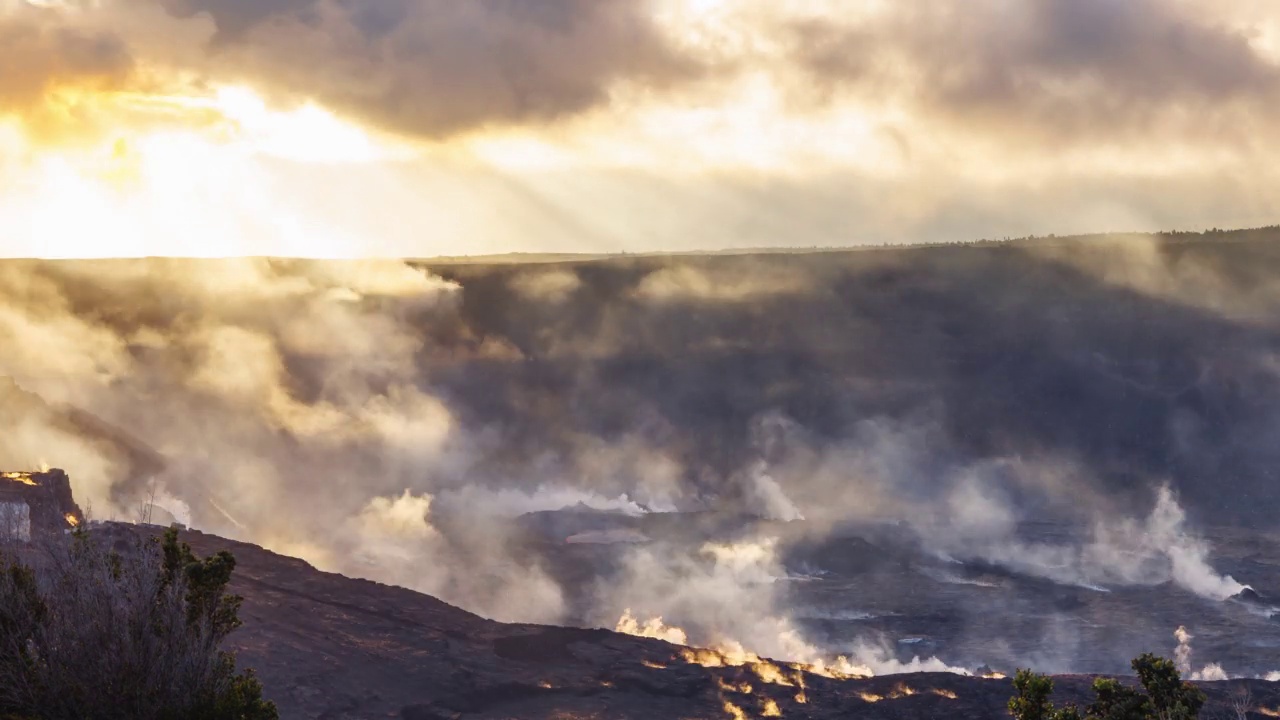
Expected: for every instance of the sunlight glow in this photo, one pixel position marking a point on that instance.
(195, 182)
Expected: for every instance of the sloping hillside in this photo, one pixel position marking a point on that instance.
(331, 647)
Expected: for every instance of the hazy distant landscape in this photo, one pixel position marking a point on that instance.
(611, 359)
(1035, 452)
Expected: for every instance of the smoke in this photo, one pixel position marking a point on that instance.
(972, 510)
(380, 420)
(1121, 551)
(554, 286)
(1210, 673)
(768, 499)
(1182, 654)
(1125, 551)
(511, 502)
(254, 387)
(727, 285)
(394, 538)
(248, 386)
(653, 627)
(176, 507)
(722, 592)
(728, 597)
(1182, 659)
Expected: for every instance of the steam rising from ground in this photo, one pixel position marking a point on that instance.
(284, 399)
(1123, 551)
(1182, 658)
(728, 598)
(965, 510)
(294, 404)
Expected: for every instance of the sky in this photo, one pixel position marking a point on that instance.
(420, 128)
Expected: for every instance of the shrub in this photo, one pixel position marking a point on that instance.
(1170, 698)
(132, 631)
(1164, 696)
(1032, 701)
(1116, 701)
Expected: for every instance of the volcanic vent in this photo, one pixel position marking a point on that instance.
(36, 503)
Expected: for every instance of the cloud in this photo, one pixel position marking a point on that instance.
(1064, 69)
(400, 128)
(1090, 70)
(41, 58)
(437, 68)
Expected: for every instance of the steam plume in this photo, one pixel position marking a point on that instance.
(1182, 659)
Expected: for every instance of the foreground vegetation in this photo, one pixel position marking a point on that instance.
(127, 631)
(1164, 696)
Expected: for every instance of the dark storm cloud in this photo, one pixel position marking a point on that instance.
(438, 67)
(1064, 66)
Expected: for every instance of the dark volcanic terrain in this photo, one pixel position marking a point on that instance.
(877, 583)
(334, 648)
(1051, 453)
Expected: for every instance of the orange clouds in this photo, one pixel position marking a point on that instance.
(46, 68)
(599, 125)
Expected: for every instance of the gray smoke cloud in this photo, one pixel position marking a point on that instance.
(731, 597)
(259, 384)
(395, 422)
(967, 510)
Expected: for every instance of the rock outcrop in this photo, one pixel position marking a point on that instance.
(37, 503)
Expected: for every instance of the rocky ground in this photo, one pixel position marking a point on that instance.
(331, 647)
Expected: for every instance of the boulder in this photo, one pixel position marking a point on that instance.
(50, 506)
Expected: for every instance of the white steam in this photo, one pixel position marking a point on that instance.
(284, 402)
(767, 498)
(1182, 653)
(1121, 551)
(513, 502)
(395, 538)
(728, 596)
(972, 510)
(1182, 659)
(289, 406)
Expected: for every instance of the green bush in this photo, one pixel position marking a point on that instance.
(1032, 701)
(1164, 696)
(130, 632)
